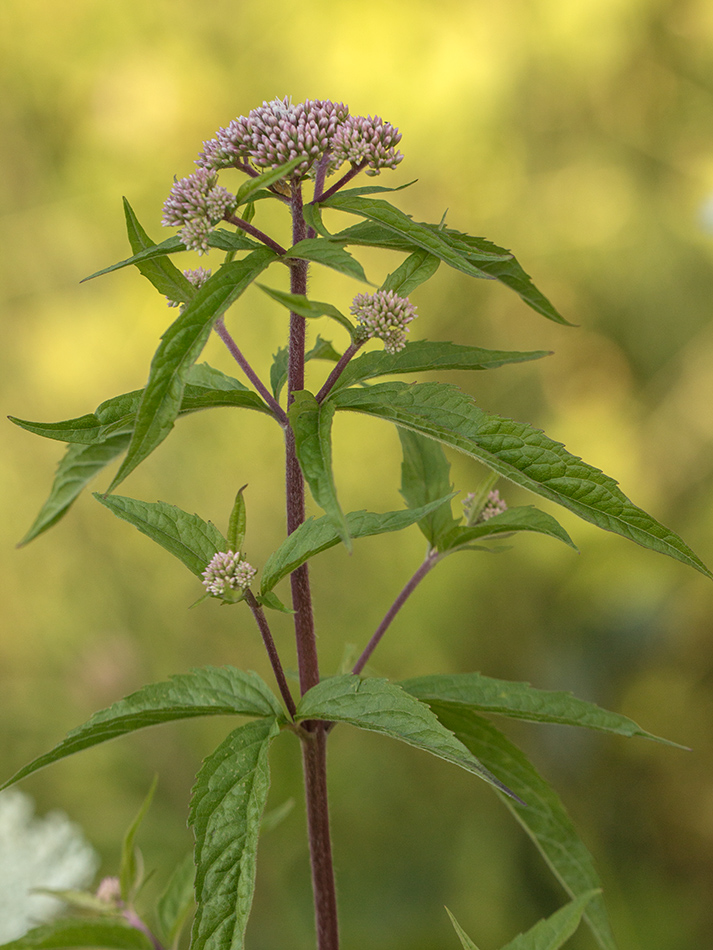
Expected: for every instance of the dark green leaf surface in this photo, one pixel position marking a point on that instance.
(177, 901)
(278, 370)
(298, 303)
(414, 271)
(525, 518)
(187, 537)
(424, 356)
(180, 347)
(518, 452)
(425, 476)
(226, 810)
(545, 819)
(312, 427)
(521, 701)
(210, 691)
(81, 932)
(375, 189)
(249, 188)
(312, 537)
(324, 252)
(379, 706)
(162, 273)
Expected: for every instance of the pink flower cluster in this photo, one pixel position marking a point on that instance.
(384, 315)
(493, 506)
(227, 572)
(196, 204)
(197, 277)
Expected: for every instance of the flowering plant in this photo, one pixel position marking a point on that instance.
(284, 149)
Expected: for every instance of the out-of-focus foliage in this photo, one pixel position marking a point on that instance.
(580, 135)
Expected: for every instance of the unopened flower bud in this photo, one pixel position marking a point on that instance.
(227, 572)
(384, 315)
(196, 204)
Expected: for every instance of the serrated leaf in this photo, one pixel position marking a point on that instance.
(314, 536)
(226, 810)
(248, 189)
(312, 427)
(518, 452)
(82, 932)
(177, 901)
(210, 691)
(425, 476)
(237, 523)
(522, 701)
(311, 309)
(162, 273)
(189, 538)
(324, 252)
(545, 819)
(525, 518)
(180, 347)
(231, 241)
(379, 706)
(422, 355)
(414, 271)
(130, 871)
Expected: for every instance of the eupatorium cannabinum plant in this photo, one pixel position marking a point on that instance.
(305, 157)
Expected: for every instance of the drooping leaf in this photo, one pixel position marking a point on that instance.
(314, 536)
(82, 932)
(180, 347)
(187, 537)
(226, 810)
(161, 272)
(210, 691)
(521, 701)
(248, 189)
(422, 355)
(324, 252)
(379, 706)
(312, 427)
(238, 523)
(545, 819)
(177, 901)
(414, 271)
(518, 452)
(425, 476)
(298, 303)
(130, 870)
(525, 518)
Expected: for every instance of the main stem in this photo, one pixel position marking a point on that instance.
(314, 745)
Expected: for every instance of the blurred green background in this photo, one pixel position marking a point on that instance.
(577, 133)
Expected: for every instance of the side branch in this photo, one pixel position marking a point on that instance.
(264, 628)
(337, 371)
(232, 346)
(353, 171)
(256, 233)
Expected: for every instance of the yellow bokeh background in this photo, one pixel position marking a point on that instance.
(579, 135)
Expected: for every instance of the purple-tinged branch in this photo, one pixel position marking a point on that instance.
(338, 370)
(256, 233)
(347, 177)
(267, 639)
(232, 346)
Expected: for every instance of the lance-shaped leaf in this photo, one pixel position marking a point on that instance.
(312, 427)
(82, 932)
(187, 537)
(328, 254)
(238, 523)
(249, 189)
(312, 537)
(518, 452)
(423, 356)
(180, 347)
(226, 810)
(415, 234)
(131, 867)
(545, 819)
(525, 518)
(298, 303)
(375, 189)
(161, 272)
(177, 901)
(549, 934)
(425, 475)
(521, 701)
(414, 271)
(379, 706)
(210, 691)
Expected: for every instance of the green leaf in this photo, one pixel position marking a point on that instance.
(210, 691)
(312, 427)
(299, 304)
(226, 810)
(278, 370)
(324, 252)
(313, 219)
(425, 476)
(414, 271)
(518, 452)
(322, 350)
(180, 347)
(545, 819)
(549, 934)
(273, 602)
(131, 871)
(521, 701)
(81, 932)
(249, 188)
(375, 189)
(423, 355)
(187, 537)
(162, 273)
(379, 706)
(177, 901)
(78, 467)
(237, 523)
(525, 518)
(312, 537)
(231, 241)
(417, 235)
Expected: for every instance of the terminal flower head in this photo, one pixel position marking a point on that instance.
(196, 204)
(227, 572)
(384, 315)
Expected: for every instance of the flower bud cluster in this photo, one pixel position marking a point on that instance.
(493, 506)
(361, 138)
(227, 572)
(196, 277)
(384, 315)
(196, 204)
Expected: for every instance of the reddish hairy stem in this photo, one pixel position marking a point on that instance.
(337, 371)
(256, 233)
(264, 628)
(353, 171)
(225, 336)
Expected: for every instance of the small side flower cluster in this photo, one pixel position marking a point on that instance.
(197, 277)
(361, 138)
(227, 572)
(384, 315)
(493, 506)
(196, 204)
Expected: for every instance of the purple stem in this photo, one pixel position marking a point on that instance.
(354, 170)
(337, 371)
(225, 336)
(264, 628)
(256, 233)
(137, 923)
